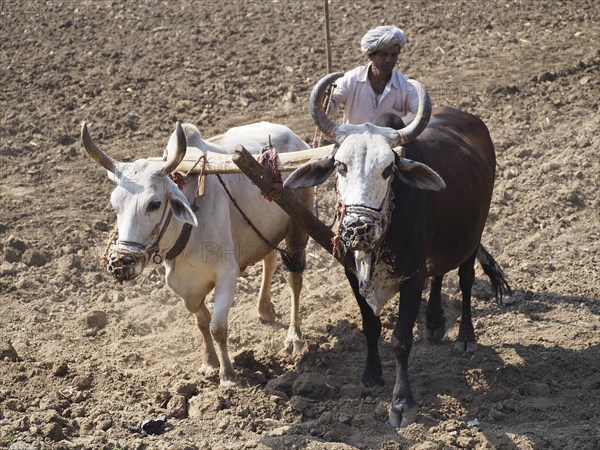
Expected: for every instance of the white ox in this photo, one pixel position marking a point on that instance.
(221, 242)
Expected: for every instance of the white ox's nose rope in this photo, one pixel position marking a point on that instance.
(116, 246)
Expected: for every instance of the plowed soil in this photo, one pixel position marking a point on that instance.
(84, 360)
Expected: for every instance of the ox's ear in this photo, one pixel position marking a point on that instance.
(180, 206)
(418, 175)
(310, 174)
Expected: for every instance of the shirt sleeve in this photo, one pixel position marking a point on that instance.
(411, 100)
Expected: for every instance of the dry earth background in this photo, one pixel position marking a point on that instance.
(84, 358)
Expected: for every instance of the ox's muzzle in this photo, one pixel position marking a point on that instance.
(124, 262)
(362, 228)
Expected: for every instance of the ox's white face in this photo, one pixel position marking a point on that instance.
(142, 199)
(365, 163)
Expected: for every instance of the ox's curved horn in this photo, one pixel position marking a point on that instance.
(95, 153)
(407, 134)
(324, 123)
(175, 159)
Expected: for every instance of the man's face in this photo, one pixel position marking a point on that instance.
(385, 60)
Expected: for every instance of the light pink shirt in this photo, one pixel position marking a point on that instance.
(361, 105)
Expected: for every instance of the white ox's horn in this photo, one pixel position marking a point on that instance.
(175, 159)
(111, 164)
(407, 134)
(95, 153)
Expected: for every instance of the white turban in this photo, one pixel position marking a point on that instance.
(382, 37)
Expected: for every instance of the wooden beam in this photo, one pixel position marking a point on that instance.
(222, 163)
(286, 199)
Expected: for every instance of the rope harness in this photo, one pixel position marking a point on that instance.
(269, 160)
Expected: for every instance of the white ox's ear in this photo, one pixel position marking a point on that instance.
(310, 174)
(418, 175)
(180, 206)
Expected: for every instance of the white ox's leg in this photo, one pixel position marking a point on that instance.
(295, 243)
(266, 310)
(210, 361)
(224, 292)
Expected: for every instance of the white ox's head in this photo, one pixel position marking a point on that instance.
(365, 163)
(144, 199)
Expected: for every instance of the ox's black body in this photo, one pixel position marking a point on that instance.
(435, 226)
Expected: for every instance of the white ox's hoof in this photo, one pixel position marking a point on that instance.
(401, 420)
(293, 346)
(208, 371)
(228, 383)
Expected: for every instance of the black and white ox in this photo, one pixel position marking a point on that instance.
(400, 222)
(204, 241)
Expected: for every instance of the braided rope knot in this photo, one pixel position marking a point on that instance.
(270, 161)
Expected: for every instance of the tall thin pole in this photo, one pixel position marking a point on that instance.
(328, 37)
(318, 135)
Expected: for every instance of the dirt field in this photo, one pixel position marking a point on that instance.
(84, 361)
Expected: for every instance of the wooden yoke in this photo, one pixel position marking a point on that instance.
(222, 162)
(286, 199)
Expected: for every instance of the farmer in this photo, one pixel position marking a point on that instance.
(369, 91)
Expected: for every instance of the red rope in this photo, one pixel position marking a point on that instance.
(268, 159)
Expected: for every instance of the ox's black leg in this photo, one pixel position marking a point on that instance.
(371, 327)
(466, 334)
(403, 410)
(434, 317)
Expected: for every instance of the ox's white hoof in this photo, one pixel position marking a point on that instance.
(208, 370)
(293, 346)
(508, 300)
(228, 383)
(401, 420)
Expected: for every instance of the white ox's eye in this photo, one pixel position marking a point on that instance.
(153, 206)
(341, 168)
